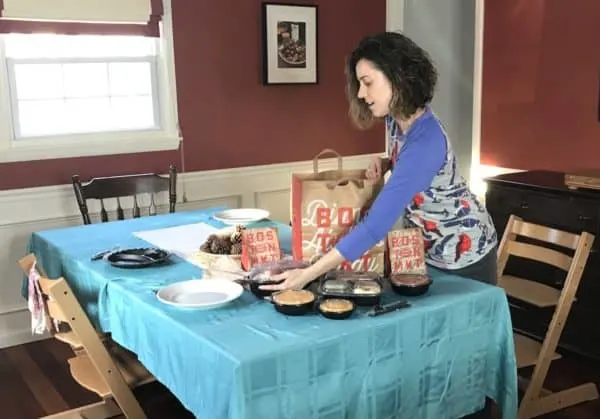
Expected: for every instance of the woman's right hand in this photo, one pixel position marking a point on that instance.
(374, 169)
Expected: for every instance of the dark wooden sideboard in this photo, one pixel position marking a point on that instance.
(541, 197)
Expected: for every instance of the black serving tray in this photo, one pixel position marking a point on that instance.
(138, 258)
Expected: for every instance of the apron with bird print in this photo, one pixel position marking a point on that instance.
(457, 229)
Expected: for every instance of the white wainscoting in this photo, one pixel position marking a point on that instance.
(25, 211)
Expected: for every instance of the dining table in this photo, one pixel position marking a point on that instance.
(438, 358)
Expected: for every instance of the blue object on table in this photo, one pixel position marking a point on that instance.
(437, 359)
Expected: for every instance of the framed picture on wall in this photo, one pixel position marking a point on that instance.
(289, 49)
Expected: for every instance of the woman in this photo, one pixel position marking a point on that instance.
(391, 78)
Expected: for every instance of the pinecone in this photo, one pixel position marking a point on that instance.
(206, 246)
(221, 246)
(236, 249)
(236, 236)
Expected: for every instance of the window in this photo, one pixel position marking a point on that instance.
(81, 95)
(62, 84)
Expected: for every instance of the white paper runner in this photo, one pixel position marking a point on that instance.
(182, 240)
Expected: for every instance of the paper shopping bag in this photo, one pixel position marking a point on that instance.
(325, 206)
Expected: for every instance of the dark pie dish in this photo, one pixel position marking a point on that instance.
(293, 302)
(410, 284)
(336, 308)
(137, 258)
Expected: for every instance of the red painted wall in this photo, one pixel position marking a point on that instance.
(541, 75)
(228, 118)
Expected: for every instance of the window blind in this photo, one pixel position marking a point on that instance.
(135, 17)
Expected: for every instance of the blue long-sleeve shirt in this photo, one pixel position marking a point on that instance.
(422, 155)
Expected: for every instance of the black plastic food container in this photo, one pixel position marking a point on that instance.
(262, 274)
(260, 293)
(327, 309)
(409, 284)
(363, 288)
(284, 302)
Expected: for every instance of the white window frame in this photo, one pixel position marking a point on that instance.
(102, 143)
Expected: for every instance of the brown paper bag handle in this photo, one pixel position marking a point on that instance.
(321, 154)
(342, 181)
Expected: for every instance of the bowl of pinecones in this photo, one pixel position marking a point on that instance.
(222, 250)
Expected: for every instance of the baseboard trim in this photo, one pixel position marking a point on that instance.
(19, 337)
(16, 308)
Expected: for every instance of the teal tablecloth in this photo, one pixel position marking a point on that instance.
(437, 359)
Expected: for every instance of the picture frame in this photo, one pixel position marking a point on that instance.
(289, 44)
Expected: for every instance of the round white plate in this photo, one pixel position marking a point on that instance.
(200, 293)
(241, 216)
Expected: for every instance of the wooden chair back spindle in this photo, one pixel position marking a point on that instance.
(118, 187)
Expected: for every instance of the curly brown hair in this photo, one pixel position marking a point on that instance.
(407, 66)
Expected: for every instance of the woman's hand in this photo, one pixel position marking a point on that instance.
(293, 279)
(374, 169)
(299, 278)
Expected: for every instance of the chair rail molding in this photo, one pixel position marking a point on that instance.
(25, 211)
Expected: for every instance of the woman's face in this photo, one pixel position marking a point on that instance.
(374, 88)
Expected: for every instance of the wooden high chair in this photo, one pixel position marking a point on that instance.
(63, 333)
(537, 400)
(99, 366)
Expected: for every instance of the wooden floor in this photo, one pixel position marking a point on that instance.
(35, 381)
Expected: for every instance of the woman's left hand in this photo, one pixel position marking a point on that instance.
(292, 279)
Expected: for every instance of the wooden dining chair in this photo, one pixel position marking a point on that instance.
(99, 366)
(537, 400)
(120, 187)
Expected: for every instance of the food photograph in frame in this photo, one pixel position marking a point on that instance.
(289, 44)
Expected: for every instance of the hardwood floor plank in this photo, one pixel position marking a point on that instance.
(59, 350)
(17, 401)
(52, 359)
(37, 380)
